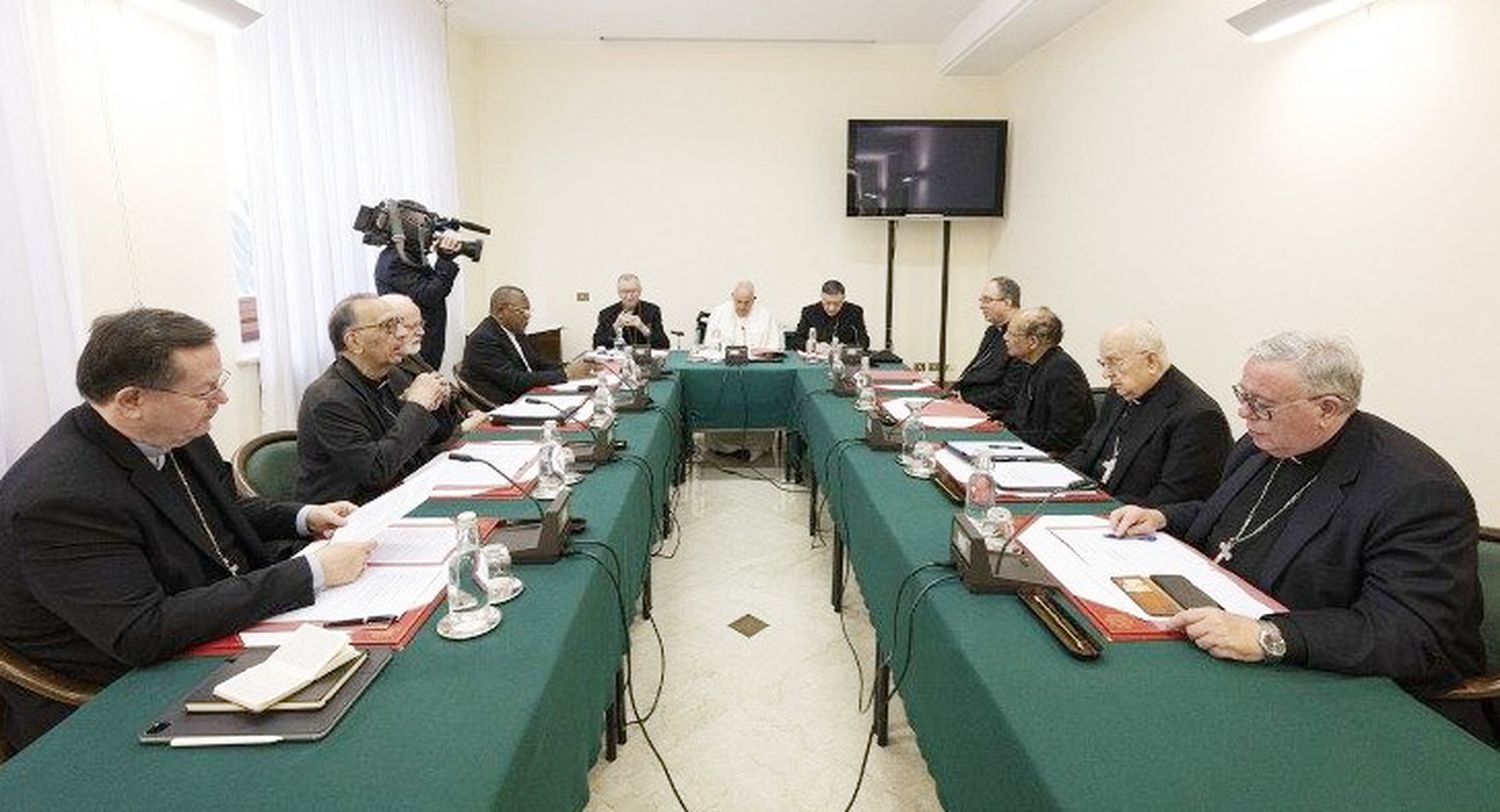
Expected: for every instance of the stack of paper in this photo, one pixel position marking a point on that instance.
(562, 408)
(936, 414)
(1081, 554)
(451, 478)
(307, 655)
(999, 450)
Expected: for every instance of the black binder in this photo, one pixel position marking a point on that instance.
(175, 722)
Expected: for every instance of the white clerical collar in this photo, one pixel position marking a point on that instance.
(155, 455)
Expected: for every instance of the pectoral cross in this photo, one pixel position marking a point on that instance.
(1226, 550)
(1107, 468)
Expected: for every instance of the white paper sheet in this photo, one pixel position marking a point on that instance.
(415, 541)
(574, 386)
(1077, 552)
(376, 514)
(901, 408)
(378, 591)
(915, 386)
(997, 449)
(578, 408)
(1034, 475)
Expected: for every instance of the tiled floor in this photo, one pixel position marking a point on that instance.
(769, 721)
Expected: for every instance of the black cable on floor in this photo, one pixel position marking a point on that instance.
(629, 677)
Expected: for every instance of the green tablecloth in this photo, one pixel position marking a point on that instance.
(1006, 719)
(510, 720)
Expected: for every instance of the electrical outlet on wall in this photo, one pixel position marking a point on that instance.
(583, 296)
(920, 366)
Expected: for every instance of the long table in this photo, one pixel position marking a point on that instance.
(1006, 720)
(510, 720)
(1003, 717)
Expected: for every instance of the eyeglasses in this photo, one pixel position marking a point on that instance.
(1116, 364)
(991, 299)
(390, 326)
(207, 397)
(1261, 410)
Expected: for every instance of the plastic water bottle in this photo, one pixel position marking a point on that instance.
(864, 386)
(552, 467)
(812, 342)
(979, 494)
(604, 407)
(835, 361)
(916, 450)
(469, 610)
(619, 341)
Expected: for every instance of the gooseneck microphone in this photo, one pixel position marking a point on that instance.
(459, 456)
(566, 414)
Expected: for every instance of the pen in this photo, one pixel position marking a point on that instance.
(372, 620)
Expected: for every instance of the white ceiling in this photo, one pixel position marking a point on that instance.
(886, 21)
(972, 37)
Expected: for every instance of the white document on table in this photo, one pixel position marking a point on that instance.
(574, 386)
(1077, 551)
(415, 541)
(569, 408)
(998, 449)
(901, 408)
(915, 386)
(1035, 475)
(376, 514)
(377, 591)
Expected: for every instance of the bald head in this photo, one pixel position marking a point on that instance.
(415, 328)
(743, 297)
(1133, 357)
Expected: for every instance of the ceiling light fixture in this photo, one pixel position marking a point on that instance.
(1273, 19)
(742, 40)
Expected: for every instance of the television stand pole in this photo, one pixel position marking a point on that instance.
(890, 277)
(943, 313)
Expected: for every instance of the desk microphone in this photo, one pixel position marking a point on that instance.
(603, 449)
(459, 456)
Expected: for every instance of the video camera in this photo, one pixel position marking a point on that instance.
(411, 227)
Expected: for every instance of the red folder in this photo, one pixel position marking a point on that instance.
(1122, 627)
(396, 635)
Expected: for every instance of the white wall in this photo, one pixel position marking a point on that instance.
(1341, 179)
(696, 165)
(155, 85)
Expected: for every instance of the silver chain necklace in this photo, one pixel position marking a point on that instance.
(1226, 547)
(234, 569)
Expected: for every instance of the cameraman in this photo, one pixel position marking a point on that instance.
(428, 286)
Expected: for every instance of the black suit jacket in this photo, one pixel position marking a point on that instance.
(428, 287)
(497, 373)
(1172, 451)
(1377, 561)
(848, 325)
(993, 378)
(1053, 407)
(104, 565)
(604, 333)
(352, 446)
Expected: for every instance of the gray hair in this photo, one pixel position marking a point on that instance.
(1143, 336)
(343, 317)
(627, 277)
(1328, 364)
(1009, 290)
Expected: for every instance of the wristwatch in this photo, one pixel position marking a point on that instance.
(1272, 644)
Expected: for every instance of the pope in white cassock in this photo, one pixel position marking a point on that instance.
(741, 321)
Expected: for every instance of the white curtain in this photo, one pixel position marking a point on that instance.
(41, 328)
(343, 102)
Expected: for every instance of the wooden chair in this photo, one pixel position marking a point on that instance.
(468, 392)
(267, 466)
(1098, 393)
(39, 680)
(1486, 686)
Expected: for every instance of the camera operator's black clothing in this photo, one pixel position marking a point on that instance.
(428, 287)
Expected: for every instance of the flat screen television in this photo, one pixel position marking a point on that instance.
(948, 168)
